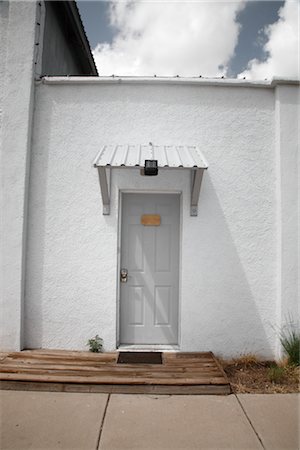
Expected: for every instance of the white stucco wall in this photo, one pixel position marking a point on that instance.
(4, 18)
(229, 292)
(16, 105)
(287, 156)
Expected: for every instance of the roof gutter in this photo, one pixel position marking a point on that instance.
(171, 80)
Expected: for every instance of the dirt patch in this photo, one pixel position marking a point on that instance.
(256, 377)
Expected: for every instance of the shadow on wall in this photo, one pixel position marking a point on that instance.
(35, 265)
(231, 306)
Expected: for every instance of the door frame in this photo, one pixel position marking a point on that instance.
(119, 246)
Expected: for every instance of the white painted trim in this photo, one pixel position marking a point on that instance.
(222, 82)
(150, 191)
(151, 348)
(118, 290)
(181, 199)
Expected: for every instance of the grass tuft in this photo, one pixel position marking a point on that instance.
(290, 341)
(276, 374)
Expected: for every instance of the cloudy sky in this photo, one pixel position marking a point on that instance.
(252, 39)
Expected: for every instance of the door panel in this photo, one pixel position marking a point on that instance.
(149, 298)
(136, 305)
(162, 305)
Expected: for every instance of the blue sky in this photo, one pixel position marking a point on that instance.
(256, 39)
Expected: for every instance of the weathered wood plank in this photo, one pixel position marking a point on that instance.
(3, 356)
(73, 365)
(189, 355)
(175, 359)
(117, 389)
(31, 386)
(161, 389)
(60, 378)
(179, 371)
(13, 367)
(110, 375)
(219, 366)
(80, 356)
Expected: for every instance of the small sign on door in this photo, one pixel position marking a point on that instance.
(152, 220)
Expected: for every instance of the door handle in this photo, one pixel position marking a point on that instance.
(124, 275)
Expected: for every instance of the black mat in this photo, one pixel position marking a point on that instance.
(140, 358)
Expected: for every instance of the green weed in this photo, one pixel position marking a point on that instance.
(276, 374)
(290, 341)
(95, 344)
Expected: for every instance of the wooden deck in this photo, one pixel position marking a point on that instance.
(55, 370)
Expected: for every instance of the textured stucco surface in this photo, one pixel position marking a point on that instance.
(21, 48)
(17, 57)
(229, 267)
(4, 17)
(287, 145)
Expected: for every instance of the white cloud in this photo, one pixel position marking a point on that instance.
(282, 47)
(169, 38)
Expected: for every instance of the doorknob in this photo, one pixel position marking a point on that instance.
(124, 275)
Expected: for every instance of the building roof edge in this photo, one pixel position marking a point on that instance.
(73, 12)
(232, 82)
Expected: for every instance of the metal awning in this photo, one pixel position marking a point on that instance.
(134, 156)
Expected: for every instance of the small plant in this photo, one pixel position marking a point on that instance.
(290, 341)
(95, 344)
(276, 374)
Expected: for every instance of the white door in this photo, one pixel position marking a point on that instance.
(150, 255)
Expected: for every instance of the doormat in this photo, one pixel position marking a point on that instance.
(140, 358)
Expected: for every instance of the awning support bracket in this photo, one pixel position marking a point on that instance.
(105, 183)
(105, 186)
(197, 176)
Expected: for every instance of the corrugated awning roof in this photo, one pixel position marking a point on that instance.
(134, 156)
(167, 156)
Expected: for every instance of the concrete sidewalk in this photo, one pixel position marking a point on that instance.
(58, 420)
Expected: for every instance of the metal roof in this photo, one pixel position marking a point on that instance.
(167, 156)
(71, 26)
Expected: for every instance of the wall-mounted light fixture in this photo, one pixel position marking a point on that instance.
(150, 167)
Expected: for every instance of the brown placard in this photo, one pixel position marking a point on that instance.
(152, 220)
